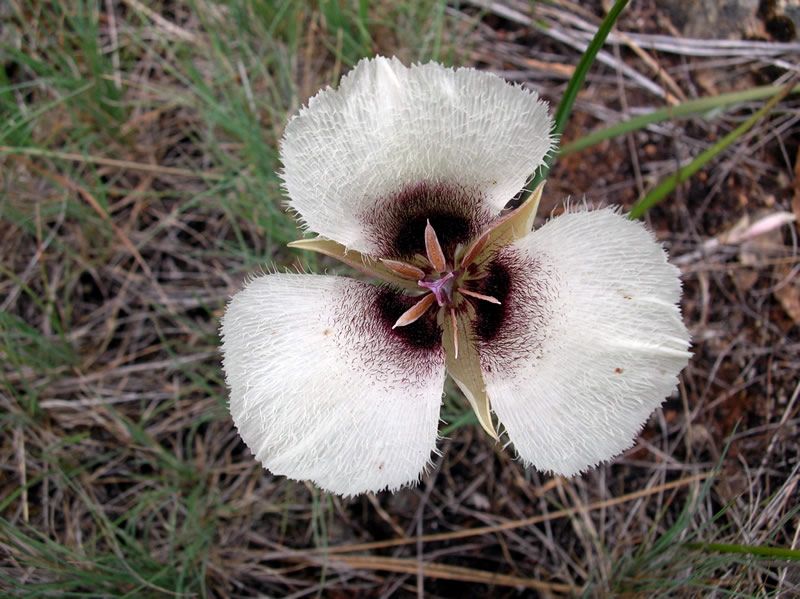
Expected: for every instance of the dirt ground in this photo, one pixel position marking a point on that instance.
(138, 190)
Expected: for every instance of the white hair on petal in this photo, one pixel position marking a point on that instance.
(389, 126)
(609, 351)
(321, 391)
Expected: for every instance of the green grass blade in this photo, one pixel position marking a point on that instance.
(668, 113)
(576, 83)
(769, 552)
(467, 418)
(668, 185)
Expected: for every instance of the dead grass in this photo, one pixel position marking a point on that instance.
(137, 159)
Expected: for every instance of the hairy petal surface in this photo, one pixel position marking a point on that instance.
(322, 389)
(389, 129)
(589, 341)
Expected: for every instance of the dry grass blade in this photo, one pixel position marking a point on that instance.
(506, 526)
(447, 572)
(164, 24)
(121, 164)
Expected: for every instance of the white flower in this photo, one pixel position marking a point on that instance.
(571, 334)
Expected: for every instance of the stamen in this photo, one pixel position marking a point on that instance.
(480, 296)
(407, 271)
(434, 249)
(454, 322)
(415, 311)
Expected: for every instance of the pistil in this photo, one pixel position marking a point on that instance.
(442, 288)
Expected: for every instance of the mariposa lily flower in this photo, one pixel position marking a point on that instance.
(568, 337)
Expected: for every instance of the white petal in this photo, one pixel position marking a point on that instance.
(389, 127)
(321, 389)
(591, 340)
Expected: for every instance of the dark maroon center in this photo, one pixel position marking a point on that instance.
(394, 223)
(489, 317)
(425, 333)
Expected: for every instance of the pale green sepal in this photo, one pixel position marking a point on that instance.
(517, 223)
(510, 227)
(465, 370)
(355, 259)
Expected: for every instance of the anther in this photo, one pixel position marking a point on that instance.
(434, 249)
(414, 312)
(480, 296)
(407, 271)
(454, 323)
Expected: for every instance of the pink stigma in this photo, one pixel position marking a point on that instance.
(441, 288)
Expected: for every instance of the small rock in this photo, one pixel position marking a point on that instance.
(781, 19)
(715, 19)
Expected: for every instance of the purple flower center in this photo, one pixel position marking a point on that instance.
(441, 288)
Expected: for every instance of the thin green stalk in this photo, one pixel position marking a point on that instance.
(668, 185)
(466, 418)
(775, 552)
(576, 83)
(669, 113)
